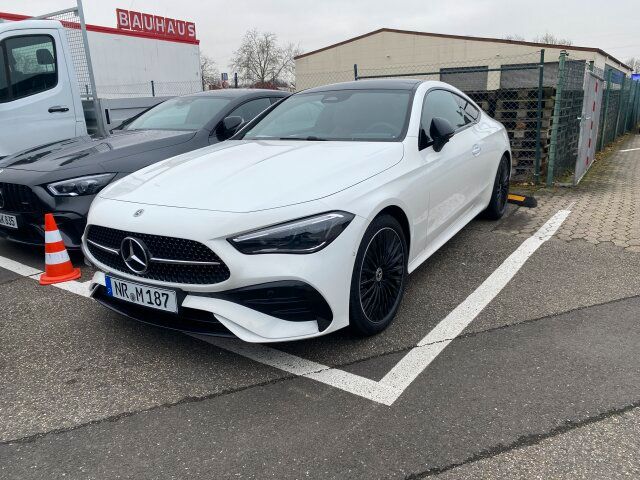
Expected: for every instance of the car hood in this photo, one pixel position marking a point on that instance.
(89, 151)
(244, 176)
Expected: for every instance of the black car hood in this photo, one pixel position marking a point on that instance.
(87, 151)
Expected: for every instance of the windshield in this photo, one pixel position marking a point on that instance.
(182, 113)
(354, 115)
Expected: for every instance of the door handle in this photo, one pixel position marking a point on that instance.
(59, 109)
(475, 150)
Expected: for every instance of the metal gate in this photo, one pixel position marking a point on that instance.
(589, 120)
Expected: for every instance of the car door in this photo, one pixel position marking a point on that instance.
(450, 173)
(36, 103)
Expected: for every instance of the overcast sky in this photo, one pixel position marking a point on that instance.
(613, 26)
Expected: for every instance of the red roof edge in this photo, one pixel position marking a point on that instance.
(110, 30)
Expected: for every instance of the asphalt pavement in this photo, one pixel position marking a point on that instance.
(543, 383)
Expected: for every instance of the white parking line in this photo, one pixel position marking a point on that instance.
(394, 383)
(629, 150)
(73, 286)
(19, 268)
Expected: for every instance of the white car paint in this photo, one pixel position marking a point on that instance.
(218, 192)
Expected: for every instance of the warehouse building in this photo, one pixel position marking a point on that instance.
(388, 51)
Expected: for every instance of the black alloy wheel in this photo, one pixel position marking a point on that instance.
(500, 194)
(379, 276)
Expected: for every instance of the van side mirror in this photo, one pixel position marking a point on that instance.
(441, 132)
(229, 126)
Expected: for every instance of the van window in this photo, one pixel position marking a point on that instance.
(32, 64)
(4, 87)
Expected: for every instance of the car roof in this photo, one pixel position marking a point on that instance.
(382, 83)
(240, 92)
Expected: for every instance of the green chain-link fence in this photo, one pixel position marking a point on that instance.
(516, 90)
(539, 100)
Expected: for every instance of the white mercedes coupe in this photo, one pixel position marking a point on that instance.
(307, 220)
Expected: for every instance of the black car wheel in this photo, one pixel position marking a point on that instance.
(379, 276)
(500, 193)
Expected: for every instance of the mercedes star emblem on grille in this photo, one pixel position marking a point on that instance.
(135, 255)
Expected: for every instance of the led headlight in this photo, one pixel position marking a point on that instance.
(305, 235)
(87, 185)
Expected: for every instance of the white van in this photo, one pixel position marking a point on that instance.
(39, 97)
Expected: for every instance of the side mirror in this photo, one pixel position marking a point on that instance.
(229, 126)
(441, 132)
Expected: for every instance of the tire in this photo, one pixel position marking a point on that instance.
(379, 277)
(500, 193)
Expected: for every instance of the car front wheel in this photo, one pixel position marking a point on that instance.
(379, 276)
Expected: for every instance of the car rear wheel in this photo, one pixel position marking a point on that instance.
(500, 193)
(379, 276)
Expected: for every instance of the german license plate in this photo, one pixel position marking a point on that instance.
(143, 295)
(10, 221)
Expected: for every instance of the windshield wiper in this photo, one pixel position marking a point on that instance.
(310, 138)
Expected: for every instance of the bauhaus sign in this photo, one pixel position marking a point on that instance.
(155, 25)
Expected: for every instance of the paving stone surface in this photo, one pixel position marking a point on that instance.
(605, 206)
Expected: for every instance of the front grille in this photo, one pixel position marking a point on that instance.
(17, 198)
(160, 247)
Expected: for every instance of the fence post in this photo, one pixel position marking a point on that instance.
(556, 118)
(100, 126)
(620, 101)
(153, 89)
(636, 119)
(235, 80)
(606, 110)
(355, 71)
(630, 105)
(537, 166)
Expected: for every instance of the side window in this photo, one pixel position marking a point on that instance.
(472, 111)
(32, 65)
(4, 85)
(251, 109)
(447, 105)
(464, 107)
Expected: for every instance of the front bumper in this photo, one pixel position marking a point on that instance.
(327, 273)
(260, 313)
(70, 214)
(30, 229)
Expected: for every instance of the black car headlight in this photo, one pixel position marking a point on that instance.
(87, 185)
(305, 235)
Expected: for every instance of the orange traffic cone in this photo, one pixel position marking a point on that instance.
(58, 267)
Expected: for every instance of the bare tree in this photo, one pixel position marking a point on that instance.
(261, 60)
(209, 69)
(634, 63)
(515, 37)
(552, 39)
